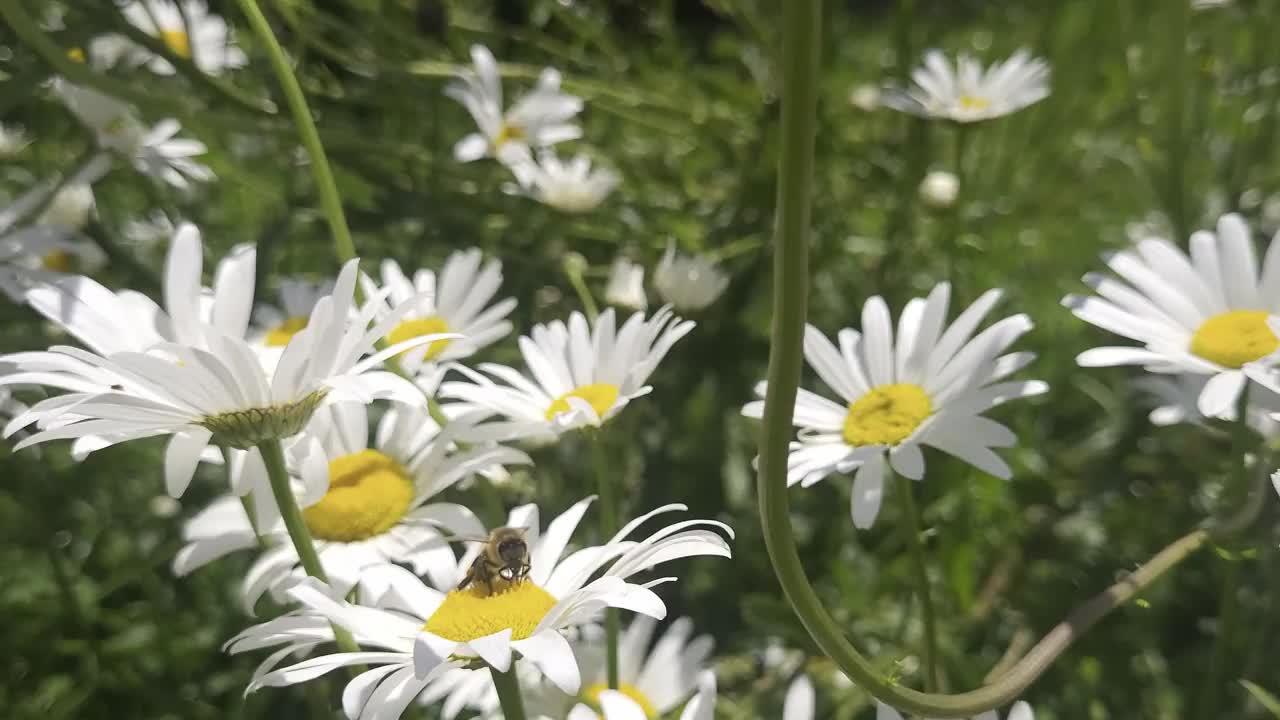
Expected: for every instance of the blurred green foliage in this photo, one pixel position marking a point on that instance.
(681, 100)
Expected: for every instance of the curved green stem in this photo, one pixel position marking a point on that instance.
(574, 267)
(330, 200)
(278, 474)
(608, 527)
(915, 543)
(800, 59)
(508, 687)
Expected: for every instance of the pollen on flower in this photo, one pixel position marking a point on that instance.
(243, 429)
(592, 696)
(472, 613)
(177, 41)
(417, 327)
(974, 102)
(601, 397)
(57, 261)
(1234, 338)
(886, 415)
(368, 494)
(280, 335)
(76, 54)
(508, 133)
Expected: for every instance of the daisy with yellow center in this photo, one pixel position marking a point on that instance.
(929, 386)
(1204, 314)
(278, 324)
(583, 375)
(965, 92)
(655, 677)
(189, 31)
(366, 501)
(457, 299)
(540, 118)
(421, 638)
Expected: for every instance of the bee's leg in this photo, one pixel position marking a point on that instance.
(488, 581)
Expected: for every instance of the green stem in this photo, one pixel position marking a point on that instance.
(330, 200)
(608, 527)
(574, 265)
(508, 687)
(911, 516)
(1227, 610)
(800, 30)
(278, 474)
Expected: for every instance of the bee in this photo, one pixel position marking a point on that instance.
(505, 559)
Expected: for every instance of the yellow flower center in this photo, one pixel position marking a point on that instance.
(417, 327)
(508, 133)
(178, 42)
(592, 696)
(58, 261)
(368, 494)
(973, 102)
(887, 415)
(76, 54)
(472, 613)
(1234, 338)
(601, 397)
(284, 332)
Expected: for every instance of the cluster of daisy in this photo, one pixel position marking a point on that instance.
(521, 136)
(345, 414)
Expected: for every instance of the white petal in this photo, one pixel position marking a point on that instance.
(868, 491)
(799, 702)
(1218, 398)
(554, 657)
(181, 457)
(495, 649)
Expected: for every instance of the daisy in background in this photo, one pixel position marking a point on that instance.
(654, 678)
(798, 704)
(626, 285)
(189, 31)
(1203, 314)
(276, 325)
(367, 501)
(929, 387)
(417, 635)
(966, 93)
(688, 282)
(1176, 400)
(539, 119)
(458, 299)
(1019, 711)
(210, 389)
(583, 375)
(573, 187)
(154, 152)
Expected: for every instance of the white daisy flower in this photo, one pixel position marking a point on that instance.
(539, 119)
(458, 299)
(1019, 711)
(573, 187)
(688, 282)
(210, 389)
(154, 152)
(966, 93)
(583, 375)
(655, 677)
(41, 253)
(200, 36)
(931, 387)
(13, 140)
(1203, 314)
(1176, 399)
(365, 503)
(418, 634)
(626, 285)
(276, 325)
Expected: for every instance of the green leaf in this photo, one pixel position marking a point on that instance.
(1264, 698)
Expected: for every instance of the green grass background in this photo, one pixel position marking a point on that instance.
(1141, 128)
